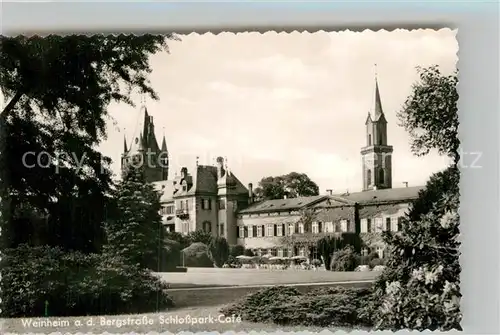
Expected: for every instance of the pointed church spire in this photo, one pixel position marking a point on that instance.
(378, 104)
(145, 128)
(124, 144)
(164, 142)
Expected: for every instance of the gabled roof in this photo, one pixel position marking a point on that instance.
(282, 204)
(167, 189)
(204, 181)
(384, 195)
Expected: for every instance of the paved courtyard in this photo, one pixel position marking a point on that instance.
(250, 277)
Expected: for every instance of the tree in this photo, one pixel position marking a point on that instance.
(236, 250)
(430, 114)
(58, 89)
(292, 185)
(218, 250)
(199, 236)
(421, 279)
(138, 234)
(326, 247)
(419, 288)
(183, 240)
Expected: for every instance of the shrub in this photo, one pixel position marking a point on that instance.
(136, 234)
(353, 240)
(196, 255)
(316, 262)
(376, 261)
(248, 253)
(233, 262)
(183, 241)
(344, 260)
(171, 256)
(75, 284)
(287, 306)
(419, 287)
(326, 247)
(236, 250)
(218, 250)
(199, 236)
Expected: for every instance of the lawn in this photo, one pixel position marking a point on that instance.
(158, 323)
(205, 277)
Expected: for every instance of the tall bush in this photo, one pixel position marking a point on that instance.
(326, 247)
(196, 255)
(420, 287)
(73, 283)
(137, 233)
(199, 236)
(236, 250)
(170, 256)
(218, 250)
(344, 260)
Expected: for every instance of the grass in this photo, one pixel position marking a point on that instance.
(205, 277)
(158, 323)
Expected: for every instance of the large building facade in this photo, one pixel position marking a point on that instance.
(212, 198)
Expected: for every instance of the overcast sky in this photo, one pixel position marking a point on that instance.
(276, 103)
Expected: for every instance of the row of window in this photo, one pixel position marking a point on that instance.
(281, 252)
(206, 204)
(272, 230)
(206, 226)
(378, 225)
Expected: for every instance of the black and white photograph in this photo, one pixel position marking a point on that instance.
(231, 182)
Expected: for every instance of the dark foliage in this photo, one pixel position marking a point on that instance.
(287, 306)
(249, 253)
(137, 235)
(326, 246)
(183, 240)
(58, 89)
(233, 262)
(236, 250)
(75, 284)
(292, 185)
(199, 236)
(430, 114)
(344, 260)
(196, 255)
(218, 250)
(171, 256)
(421, 279)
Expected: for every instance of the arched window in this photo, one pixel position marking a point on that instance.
(369, 177)
(207, 226)
(381, 176)
(369, 139)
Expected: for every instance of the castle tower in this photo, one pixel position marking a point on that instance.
(164, 159)
(146, 149)
(377, 154)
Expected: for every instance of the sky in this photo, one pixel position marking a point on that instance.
(276, 103)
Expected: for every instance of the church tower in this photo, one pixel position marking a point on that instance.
(377, 154)
(146, 152)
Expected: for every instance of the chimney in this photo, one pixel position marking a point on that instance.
(184, 172)
(406, 183)
(220, 167)
(250, 193)
(329, 192)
